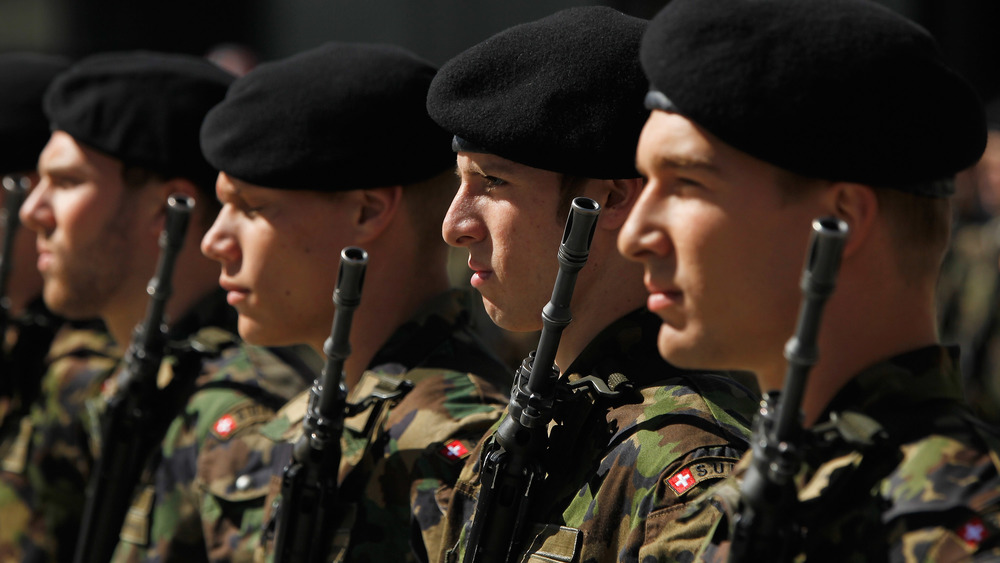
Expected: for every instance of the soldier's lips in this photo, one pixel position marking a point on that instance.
(44, 262)
(235, 294)
(480, 277)
(662, 298)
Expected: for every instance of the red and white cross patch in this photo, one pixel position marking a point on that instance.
(225, 426)
(682, 481)
(701, 470)
(454, 450)
(973, 532)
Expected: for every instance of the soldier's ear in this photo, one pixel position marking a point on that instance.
(619, 198)
(376, 208)
(170, 187)
(857, 205)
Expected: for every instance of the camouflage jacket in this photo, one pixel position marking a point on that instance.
(969, 306)
(401, 457)
(896, 470)
(191, 502)
(619, 470)
(45, 460)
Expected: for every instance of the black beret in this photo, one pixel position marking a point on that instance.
(140, 107)
(24, 130)
(843, 90)
(563, 93)
(341, 116)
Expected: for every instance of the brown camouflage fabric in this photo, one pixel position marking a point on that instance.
(969, 311)
(620, 470)
(45, 463)
(191, 504)
(400, 458)
(897, 470)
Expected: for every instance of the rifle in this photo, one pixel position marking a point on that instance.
(17, 188)
(512, 461)
(129, 433)
(765, 528)
(309, 484)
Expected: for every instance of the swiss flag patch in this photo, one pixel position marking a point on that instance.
(973, 532)
(682, 481)
(454, 450)
(225, 426)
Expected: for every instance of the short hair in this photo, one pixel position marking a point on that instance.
(570, 186)
(920, 226)
(427, 202)
(135, 176)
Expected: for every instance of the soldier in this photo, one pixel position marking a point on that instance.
(333, 148)
(543, 112)
(768, 114)
(36, 440)
(125, 137)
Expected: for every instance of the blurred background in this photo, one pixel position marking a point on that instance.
(436, 29)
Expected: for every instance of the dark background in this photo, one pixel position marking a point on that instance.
(435, 29)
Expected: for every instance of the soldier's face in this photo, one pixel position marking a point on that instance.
(722, 248)
(85, 221)
(279, 251)
(504, 214)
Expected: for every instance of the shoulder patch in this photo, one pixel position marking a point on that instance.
(455, 450)
(227, 424)
(703, 469)
(973, 532)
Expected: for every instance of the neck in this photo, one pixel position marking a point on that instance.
(862, 328)
(194, 277)
(384, 308)
(613, 289)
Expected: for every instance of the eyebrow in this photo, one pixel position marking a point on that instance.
(680, 162)
(495, 169)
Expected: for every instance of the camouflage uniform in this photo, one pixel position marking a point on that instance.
(192, 498)
(969, 305)
(620, 470)
(906, 475)
(400, 459)
(45, 459)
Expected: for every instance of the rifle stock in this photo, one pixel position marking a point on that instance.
(126, 440)
(309, 484)
(512, 465)
(765, 527)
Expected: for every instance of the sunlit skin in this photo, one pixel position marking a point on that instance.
(279, 252)
(723, 254)
(271, 245)
(505, 214)
(721, 249)
(97, 238)
(85, 223)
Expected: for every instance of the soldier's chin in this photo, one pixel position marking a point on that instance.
(510, 322)
(253, 332)
(61, 303)
(681, 350)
